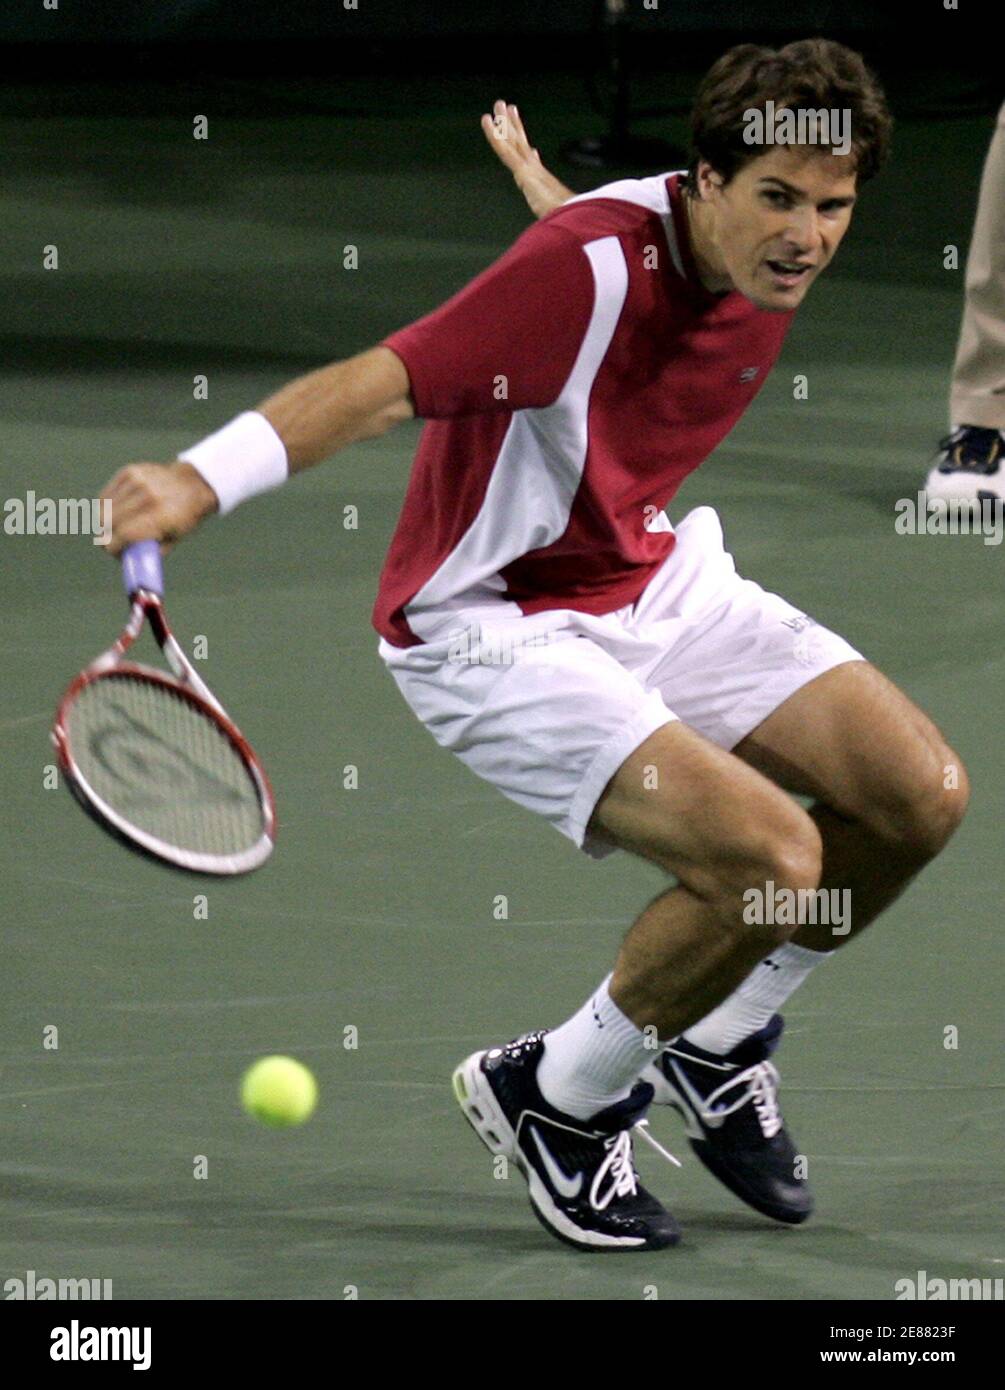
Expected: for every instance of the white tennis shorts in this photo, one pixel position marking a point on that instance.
(547, 707)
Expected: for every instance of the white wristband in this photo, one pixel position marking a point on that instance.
(244, 458)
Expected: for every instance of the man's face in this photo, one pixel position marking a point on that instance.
(770, 231)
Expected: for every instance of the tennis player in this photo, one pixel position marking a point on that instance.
(548, 625)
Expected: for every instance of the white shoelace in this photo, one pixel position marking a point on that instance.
(760, 1085)
(619, 1166)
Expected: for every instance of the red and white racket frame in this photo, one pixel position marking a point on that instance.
(187, 683)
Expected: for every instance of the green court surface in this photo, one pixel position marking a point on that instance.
(376, 913)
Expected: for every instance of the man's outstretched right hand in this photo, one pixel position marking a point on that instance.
(155, 501)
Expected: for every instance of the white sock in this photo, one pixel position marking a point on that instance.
(594, 1059)
(762, 994)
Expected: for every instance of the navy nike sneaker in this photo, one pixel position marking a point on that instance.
(730, 1110)
(581, 1173)
(970, 465)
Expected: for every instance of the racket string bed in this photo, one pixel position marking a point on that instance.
(164, 765)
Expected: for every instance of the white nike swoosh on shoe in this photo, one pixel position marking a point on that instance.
(568, 1187)
(690, 1097)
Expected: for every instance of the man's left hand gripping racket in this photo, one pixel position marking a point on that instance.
(154, 757)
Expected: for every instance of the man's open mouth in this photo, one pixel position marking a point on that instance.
(789, 272)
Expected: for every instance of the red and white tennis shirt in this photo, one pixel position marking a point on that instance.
(569, 389)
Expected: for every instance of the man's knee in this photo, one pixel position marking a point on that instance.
(765, 864)
(919, 822)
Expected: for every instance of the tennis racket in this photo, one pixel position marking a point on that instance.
(153, 757)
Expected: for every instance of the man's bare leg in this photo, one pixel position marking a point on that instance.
(720, 828)
(889, 790)
(891, 794)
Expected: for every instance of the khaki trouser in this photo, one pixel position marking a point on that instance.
(977, 392)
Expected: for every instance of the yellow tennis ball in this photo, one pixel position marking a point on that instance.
(279, 1091)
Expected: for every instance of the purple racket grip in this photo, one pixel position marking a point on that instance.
(141, 568)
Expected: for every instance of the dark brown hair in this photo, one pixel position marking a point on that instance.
(812, 74)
